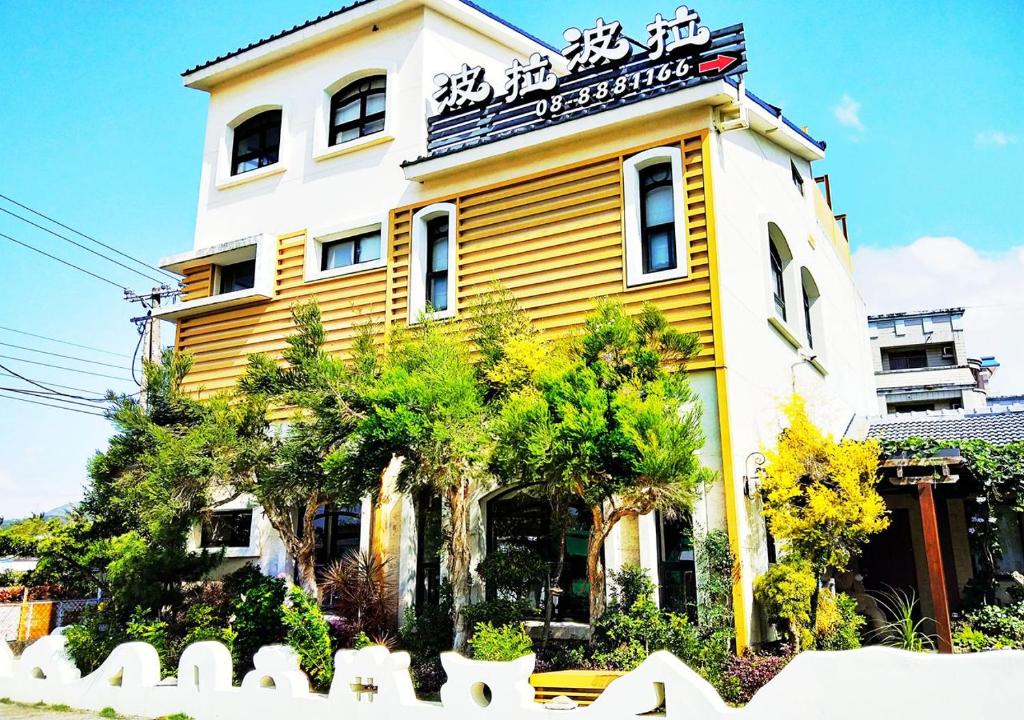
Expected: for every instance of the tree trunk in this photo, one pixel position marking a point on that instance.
(300, 548)
(554, 580)
(458, 558)
(595, 566)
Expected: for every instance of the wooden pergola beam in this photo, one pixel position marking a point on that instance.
(936, 571)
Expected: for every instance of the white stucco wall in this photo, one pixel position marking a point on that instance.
(312, 186)
(753, 186)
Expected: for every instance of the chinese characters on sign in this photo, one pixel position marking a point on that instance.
(673, 46)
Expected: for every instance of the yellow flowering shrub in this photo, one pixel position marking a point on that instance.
(820, 496)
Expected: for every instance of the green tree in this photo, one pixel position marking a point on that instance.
(608, 418)
(424, 402)
(286, 468)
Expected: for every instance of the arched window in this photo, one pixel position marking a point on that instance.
(654, 219)
(518, 519)
(337, 532)
(257, 142)
(778, 258)
(810, 296)
(432, 282)
(358, 109)
(657, 218)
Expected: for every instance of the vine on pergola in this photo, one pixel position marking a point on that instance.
(999, 473)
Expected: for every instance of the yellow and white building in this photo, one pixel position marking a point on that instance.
(329, 173)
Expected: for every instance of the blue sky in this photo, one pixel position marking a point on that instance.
(921, 105)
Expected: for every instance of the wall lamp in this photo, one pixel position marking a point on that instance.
(751, 477)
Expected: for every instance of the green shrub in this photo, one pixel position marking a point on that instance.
(499, 612)
(991, 627)
(202, 623)
(839, 624)
(507, 642)
(310, 636)
(255, 613)
(425, 636)
(91, 640)
(108, 712)
(153, 631)
(784, 592)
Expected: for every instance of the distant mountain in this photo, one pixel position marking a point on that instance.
(60, 512)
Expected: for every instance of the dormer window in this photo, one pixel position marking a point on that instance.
(357, 109)
(236, 277)
(257, 142)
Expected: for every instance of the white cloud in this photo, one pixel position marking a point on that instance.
(994, 138)
(938, 272)
(847, 112)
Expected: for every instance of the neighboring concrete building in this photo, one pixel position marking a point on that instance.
(329, 172)
(921, 362)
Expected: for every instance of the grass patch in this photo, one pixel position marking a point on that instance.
(6, 701)
(108, 712)
(176, 716)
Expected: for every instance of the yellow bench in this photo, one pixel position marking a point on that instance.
(583, 686)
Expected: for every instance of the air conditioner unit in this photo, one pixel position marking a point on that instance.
(947, 351)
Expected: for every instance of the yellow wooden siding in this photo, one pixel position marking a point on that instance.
(554, 239)
(221, 340)
(196, 283)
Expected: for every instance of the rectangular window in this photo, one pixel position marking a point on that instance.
(351, 251)
(227, 528)
(907, 359)
(798, 179)
(1011, 540)
(807, 319)
(437, 263)
(237, 276)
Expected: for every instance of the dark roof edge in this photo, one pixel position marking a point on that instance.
(341, 11)
(917, 313)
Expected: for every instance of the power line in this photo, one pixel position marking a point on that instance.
(63, 342)
(61, 367)
(60, 355)
(49, 396)
(79, 245)
(87, 237)
(46, 384)
(44, 404)
(30, 381)
(64, 262)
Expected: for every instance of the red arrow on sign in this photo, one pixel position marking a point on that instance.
(720, 63)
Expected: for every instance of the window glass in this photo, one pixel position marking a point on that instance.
(351, 251)
(807, 318)
(238, 276)
(907, 359)
(779, 289)
(430, 536)
(1011, 540)
(227, 528)
(256, 142)
(657, 218)
(518, 519)
(358, 109)
(337, 532)
(676, 567)
(437, 262)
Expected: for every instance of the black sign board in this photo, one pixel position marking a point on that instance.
(604, 74)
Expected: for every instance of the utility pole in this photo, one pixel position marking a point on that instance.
(149, 327)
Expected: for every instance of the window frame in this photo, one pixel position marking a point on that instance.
(779, 265)
(319, 239)
(419, 262)
(262, 130)
(224, 178)
(218, 279)
(905, 353)
(205, 529)
(334, 129)
(814, 325)
(634, 220)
